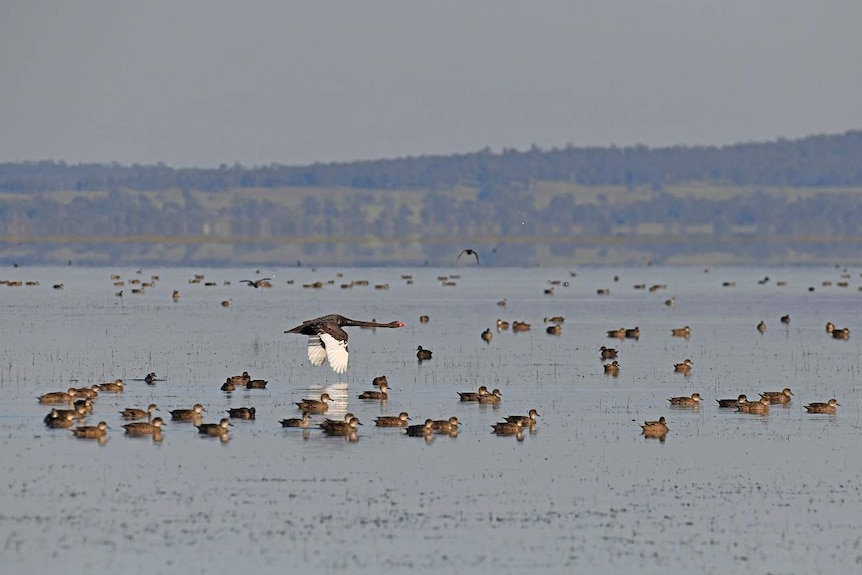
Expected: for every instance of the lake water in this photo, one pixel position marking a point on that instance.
(586, 492)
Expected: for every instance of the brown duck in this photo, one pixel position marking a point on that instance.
(91, 431)
(827, 407)
(188, 414)
(683, 401)
(315, 405)
(143, 427)
(399, 420)
(732, 402)
(381, 395)
(296, 422)
(242, 412)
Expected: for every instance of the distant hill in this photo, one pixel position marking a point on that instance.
(814, 161)
(777, 202)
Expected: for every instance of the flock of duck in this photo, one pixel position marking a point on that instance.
(659, 429)
(81, 402)
(328, 343)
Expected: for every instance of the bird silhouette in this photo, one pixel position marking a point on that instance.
(469, 252)
(255, 283)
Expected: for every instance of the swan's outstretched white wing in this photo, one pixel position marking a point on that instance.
(316, 351)
(336, 352)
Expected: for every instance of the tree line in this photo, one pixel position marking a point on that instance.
(814, 161)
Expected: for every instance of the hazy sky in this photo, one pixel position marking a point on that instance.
(205, 82)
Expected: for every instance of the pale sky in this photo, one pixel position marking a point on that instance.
(205, 82)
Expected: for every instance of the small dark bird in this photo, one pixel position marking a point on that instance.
(469, 252)
(256, 283)
(423, 354)
(487, 335)
(242, 412)
(608, 352)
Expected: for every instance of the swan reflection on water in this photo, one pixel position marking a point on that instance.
(338, 393)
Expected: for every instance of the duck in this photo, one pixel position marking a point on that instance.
(683, 367)
(502, 325)
(617, 333)
(473, 395)
(220, 428)
(608, 352)
(519, 326)
(732, 402)
(150, 378)
(555, 319)
(136, 413)
(423, 354)
(841, 333)
(493, 397)
(86, 404)
(315, 405)
(761, 406)
(633, 333)
(78, 412)
(59, 396)
(487, 335)
(332, 422)
(327, 340)
(143, 427)
(612, 368)
(188, 414)
(399, 420)
(424, 318)
(241, 379)
(297, 422)
(506, 428)
(785, 319)
(91, 431)
(782, 396)
(761, 327)
(228, 386)
(60, 422)
(556, 329)
(382, 395)
(342, 428)
(426, 428)
(657, 427)
(115, 386)
(241, 412)
(827, 407)
(830, 327)
(256, 384)
(693, 401)
(91, 392)
(445, 425)
(681, 332)
(528, 420)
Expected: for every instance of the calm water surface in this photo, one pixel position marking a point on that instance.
(725, 491)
